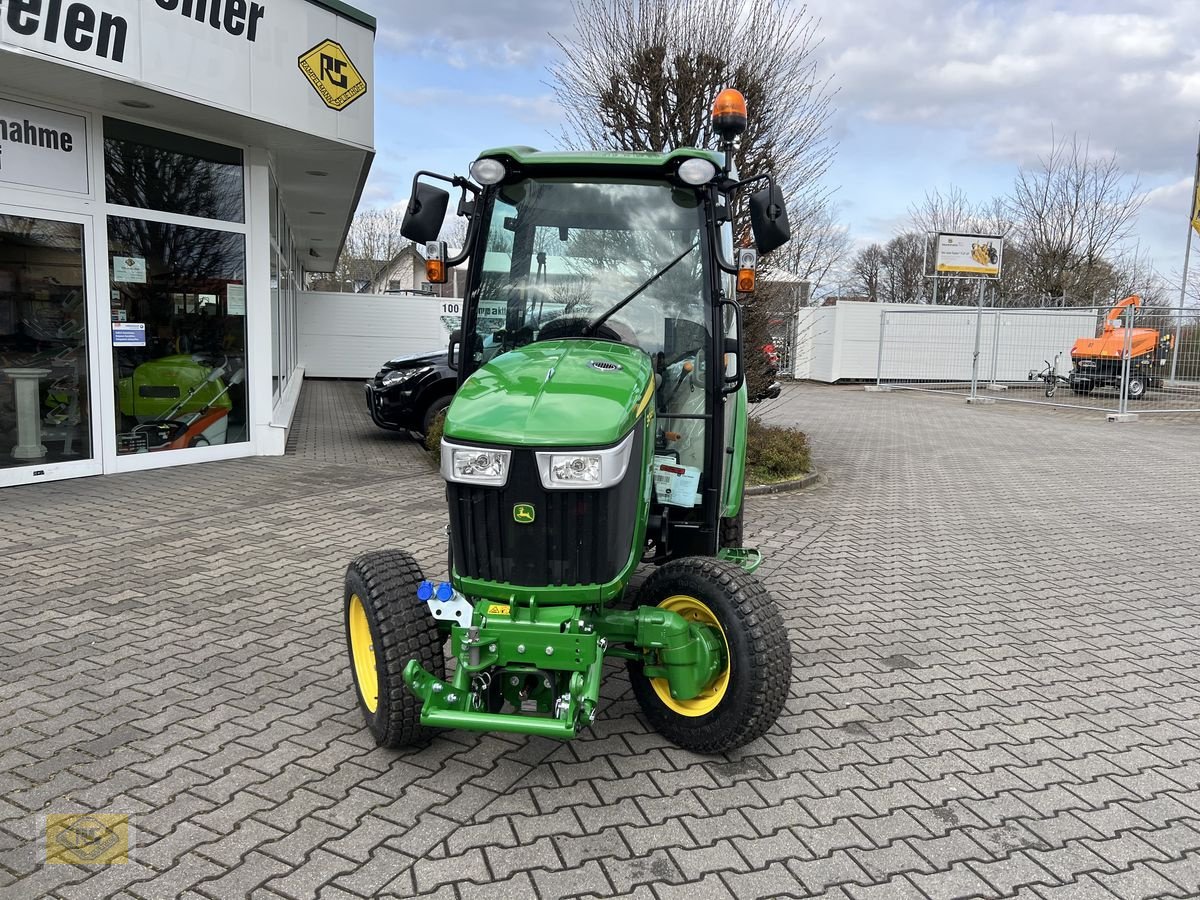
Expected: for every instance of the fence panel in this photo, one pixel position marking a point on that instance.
(1144, 361)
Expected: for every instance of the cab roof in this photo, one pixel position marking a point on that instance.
(531, 158)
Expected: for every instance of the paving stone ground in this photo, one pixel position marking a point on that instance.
(995, 617)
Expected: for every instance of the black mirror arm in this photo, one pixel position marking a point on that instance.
(459, 182)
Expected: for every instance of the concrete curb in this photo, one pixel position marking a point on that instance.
(758, 490)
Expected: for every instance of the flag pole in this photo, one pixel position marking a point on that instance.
(1187, 258)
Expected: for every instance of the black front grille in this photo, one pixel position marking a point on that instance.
(576, 537)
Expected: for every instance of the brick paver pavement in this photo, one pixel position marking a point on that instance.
(996, 625)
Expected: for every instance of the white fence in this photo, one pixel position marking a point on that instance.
(351, 335)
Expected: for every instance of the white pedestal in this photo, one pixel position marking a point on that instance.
(29, 419)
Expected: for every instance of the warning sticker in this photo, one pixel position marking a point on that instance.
(675, 485)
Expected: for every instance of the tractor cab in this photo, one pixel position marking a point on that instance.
(599, 424)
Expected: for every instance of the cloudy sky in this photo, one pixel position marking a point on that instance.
(930, 94)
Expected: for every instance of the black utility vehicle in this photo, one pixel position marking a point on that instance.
(410, 392)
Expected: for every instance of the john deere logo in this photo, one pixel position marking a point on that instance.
(332, 75)
(523, 513)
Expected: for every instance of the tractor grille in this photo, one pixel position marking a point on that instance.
(576, 538)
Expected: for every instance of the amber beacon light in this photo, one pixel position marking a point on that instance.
(729, 114)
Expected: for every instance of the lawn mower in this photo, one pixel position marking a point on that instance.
(166, 417)
(1099, 361)
(599, 424)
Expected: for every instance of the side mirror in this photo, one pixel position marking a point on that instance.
(455, 344)
(768, 218)
(425, 213)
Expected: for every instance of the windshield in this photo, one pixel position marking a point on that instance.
(562, 259)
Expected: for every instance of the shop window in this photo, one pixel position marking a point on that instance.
(153, 169)
(44, 408)
(179, 335)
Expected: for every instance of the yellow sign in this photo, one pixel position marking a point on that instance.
(87, 839)
(332, 74)
(498, 609)
(1196, 209)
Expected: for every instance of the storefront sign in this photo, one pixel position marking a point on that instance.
(290, 62)
(969, 254)
(129, 334)
(42, 148)
(332, 74)
(129, 269)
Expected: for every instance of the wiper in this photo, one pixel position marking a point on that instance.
(624, 301)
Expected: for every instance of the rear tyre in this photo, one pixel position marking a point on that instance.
(746, 697)
(1137, 387)
(386, 627)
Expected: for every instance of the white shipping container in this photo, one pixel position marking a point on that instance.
(934, 343)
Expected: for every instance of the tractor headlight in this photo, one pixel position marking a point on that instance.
(570, 470)
(696, 171)
(488, 171)
(475, 465)
(585, 469)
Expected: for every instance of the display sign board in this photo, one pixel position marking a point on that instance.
(969, 254)
(42, 148)
(291, 62)
(129, 269)
(129, 334)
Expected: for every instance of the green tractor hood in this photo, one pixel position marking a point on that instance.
(568, 393)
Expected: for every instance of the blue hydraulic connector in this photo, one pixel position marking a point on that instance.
(445, 591)
(425, 591)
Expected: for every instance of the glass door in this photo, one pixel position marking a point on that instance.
(47, 352)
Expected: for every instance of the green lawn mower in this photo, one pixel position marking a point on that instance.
(599, 423)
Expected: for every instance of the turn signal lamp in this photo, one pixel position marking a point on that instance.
(747, 263)
(729, 114)
(435, 262)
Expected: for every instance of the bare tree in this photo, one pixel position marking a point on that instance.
(642, 75)
(867, 269)
(372, 242)
(1073, 213)
(902, 276)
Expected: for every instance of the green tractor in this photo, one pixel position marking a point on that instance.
(599, 423)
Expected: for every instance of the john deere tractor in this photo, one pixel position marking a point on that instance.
(599, 424)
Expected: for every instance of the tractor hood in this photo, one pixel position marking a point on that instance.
(567, 393)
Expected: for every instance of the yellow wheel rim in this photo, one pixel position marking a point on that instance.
(710, 698)
(362, 650)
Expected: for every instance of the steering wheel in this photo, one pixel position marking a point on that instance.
(574, 326)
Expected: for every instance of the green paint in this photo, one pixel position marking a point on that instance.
(568, 643)
(548, 394)
(746, 557)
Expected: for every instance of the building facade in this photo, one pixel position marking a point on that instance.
(169, 169)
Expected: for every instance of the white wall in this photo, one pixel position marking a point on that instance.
(351, 335)
(931, 343)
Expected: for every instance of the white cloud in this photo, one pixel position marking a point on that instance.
(471, 33)
(1125, 75)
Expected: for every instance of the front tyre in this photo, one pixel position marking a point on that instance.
(386, 626)
(747, 696)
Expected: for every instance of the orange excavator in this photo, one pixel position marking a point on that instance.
(1098, 361)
